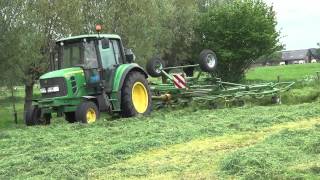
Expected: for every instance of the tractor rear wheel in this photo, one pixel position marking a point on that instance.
(87, 113)
(70, 117)
(208, 60)
(135, 95)
(33, 117)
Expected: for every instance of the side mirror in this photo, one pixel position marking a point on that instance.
(105, 43)
(130, 57)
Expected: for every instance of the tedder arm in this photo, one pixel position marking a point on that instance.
(211, 89)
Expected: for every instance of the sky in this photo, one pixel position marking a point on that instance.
(298, 22)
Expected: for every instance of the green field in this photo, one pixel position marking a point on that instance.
(251, 142)
(286, 73)
(197, 144)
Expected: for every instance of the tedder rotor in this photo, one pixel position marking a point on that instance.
(205, 87)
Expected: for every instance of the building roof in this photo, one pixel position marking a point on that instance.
(111, 36)
(295, 54)
(315, 53)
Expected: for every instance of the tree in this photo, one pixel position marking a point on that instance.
(31, 27)
(160, 27)
(180, 24)
(10, 12)
(239, 32)
(204, 5)
(137, 22)
(45, 21)
(273, 57)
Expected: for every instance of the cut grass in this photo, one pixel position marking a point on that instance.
(290, 154)
(286, 73)
(194, 158)
(64, 150)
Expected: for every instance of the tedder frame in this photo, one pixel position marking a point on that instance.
(205, 87)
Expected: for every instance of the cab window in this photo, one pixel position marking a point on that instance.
(117, 50)
(107, 56)
(71, 55)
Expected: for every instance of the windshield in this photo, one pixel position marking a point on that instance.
(90, 55)
(71, 55)
(75, 54)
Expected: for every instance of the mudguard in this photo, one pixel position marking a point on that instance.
(119, 78)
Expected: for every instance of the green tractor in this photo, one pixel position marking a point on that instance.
(91, 74)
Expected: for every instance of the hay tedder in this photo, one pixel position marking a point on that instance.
(204, 86)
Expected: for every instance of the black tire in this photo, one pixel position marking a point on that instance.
(128, 108)
(70, 117)
(46, 120)
(154, 66)
(238, 103)
(208, 61)
(276, 100)
(82, 111)
(33, 117)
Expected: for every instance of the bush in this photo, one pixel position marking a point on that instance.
(239, 32)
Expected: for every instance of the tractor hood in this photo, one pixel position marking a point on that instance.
(66, 73)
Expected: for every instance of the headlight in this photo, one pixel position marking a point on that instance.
(43, 90)
(53, 89)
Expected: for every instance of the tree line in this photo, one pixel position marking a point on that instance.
(239, 31)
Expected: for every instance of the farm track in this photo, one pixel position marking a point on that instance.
(197, 159)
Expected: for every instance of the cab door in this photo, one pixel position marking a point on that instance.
(111, 58)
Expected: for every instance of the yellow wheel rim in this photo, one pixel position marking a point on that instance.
(140, 97)
(91, 116)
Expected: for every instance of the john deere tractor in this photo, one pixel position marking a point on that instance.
(91, 74)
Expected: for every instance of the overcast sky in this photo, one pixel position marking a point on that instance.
(298, 21)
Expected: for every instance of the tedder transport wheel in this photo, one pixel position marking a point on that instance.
(154, 67)
(87, 112)
(33, 117)
(208, 60)
(70, 117)
(135, 95)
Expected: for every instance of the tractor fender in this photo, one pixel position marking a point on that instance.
(119, 78)
(101, 101)
(88, 97)
(91, 98)
(122, 73)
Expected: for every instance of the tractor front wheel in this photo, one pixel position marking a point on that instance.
(70, 117)
(135, 95)
(87, 112)
(33, 117)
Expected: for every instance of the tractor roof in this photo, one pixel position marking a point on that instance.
(111, 36)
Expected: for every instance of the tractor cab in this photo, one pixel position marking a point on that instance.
(97, 55)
